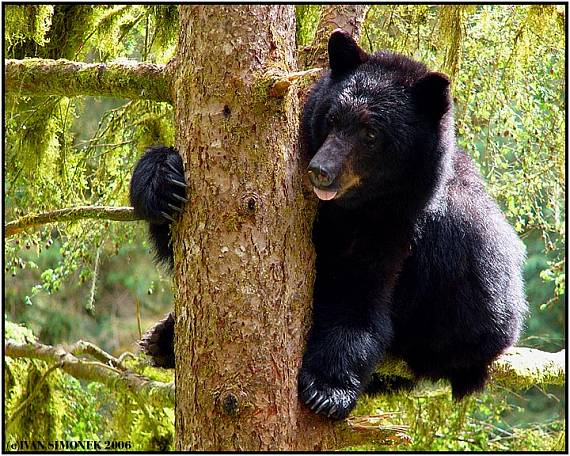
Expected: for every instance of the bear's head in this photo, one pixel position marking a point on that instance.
(380, 125)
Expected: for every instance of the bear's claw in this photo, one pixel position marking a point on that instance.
(175, 208)
(331, 411)
(175, 170)
(166, 216)
(177, 182)
(332, 402)
(179, 198)
(323, 404)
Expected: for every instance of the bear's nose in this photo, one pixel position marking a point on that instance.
(319, 176)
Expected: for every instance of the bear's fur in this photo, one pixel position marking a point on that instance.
(413, 257)
(157, 193)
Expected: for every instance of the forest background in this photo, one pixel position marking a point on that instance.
(95, 280)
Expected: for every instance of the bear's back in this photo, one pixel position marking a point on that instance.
(463, 279)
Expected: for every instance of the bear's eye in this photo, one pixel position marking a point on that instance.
(331, 120)
(370, 135)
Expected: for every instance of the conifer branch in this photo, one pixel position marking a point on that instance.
(518, 368)
(71, 214)
(156, 393)
(134, 81)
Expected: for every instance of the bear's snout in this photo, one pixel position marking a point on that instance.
(319, 175)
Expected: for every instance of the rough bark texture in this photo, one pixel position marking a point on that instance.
(62, 77)
(244, 259)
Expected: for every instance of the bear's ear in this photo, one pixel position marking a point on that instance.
(344, 52)
(431, 93)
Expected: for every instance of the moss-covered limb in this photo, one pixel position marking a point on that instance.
(70, 214)
(347, 17)
(521, 368)
(156, 393)
(133, 81)
(82, 347)
(518, 368)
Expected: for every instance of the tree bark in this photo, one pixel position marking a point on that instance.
(243, 255)
(134, 81)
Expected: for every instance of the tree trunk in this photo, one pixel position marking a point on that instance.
(243, 255)
(244, 261)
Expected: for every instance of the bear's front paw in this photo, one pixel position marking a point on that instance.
(158, 186)
(158, 343)
(321, 397)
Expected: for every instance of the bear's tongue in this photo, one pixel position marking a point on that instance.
(324, 195)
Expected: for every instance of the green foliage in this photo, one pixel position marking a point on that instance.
(437, 423)
(95, 171)
(43, 404)
(17, 333)
(165, 28)
(307, 17)
(26, 23)
(62, 408)
(42, 132)
(41, 417)
(51, 297)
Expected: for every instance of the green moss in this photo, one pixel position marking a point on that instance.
(41, 417)
(26, 22)
(17, 333)
(165, 25)
(307, 20)
(260, 90)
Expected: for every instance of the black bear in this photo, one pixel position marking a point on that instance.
(158, 190)
(414, 258)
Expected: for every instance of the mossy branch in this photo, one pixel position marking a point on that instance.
(159, 394)
(518, 368)
(134, 81)
(70, 214)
